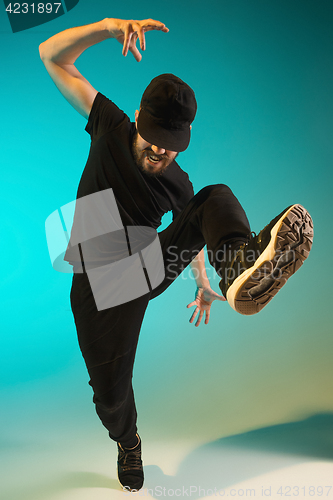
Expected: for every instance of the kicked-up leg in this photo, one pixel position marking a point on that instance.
(252, 274)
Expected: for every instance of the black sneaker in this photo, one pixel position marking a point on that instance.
(254, 273)
(130, 470)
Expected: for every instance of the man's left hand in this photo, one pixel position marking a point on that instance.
(204, 298)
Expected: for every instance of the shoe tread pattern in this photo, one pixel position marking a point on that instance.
(294, 236)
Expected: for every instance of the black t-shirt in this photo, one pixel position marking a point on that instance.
(141, 199)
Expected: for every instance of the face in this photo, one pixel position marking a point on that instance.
(151, 159)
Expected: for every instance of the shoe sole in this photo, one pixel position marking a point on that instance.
(129, 488)
(289, 246)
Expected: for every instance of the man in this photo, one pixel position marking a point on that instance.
(137, 160)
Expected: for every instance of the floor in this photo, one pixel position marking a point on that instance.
(287, 460)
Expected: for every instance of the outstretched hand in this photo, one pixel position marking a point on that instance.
(127, 33)
(204, 297)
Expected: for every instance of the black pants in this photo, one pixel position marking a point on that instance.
(108, 338)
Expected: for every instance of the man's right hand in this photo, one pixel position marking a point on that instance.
(127, 33)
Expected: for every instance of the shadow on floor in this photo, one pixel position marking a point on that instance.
(233, 459)
(219, 464)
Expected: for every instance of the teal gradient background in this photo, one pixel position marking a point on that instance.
(263, 76)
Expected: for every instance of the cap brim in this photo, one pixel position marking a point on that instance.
(171, 140)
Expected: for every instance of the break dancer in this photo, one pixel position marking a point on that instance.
(137, 160)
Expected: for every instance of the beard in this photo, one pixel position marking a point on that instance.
(141, 155)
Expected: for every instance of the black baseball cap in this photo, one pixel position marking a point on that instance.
(167, 109)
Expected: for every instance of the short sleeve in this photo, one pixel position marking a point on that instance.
(104, 117)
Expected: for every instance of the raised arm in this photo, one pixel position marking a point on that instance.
(60, 52)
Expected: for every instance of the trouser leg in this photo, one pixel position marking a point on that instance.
(214, 217)
(108, 341)
(108, 338)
